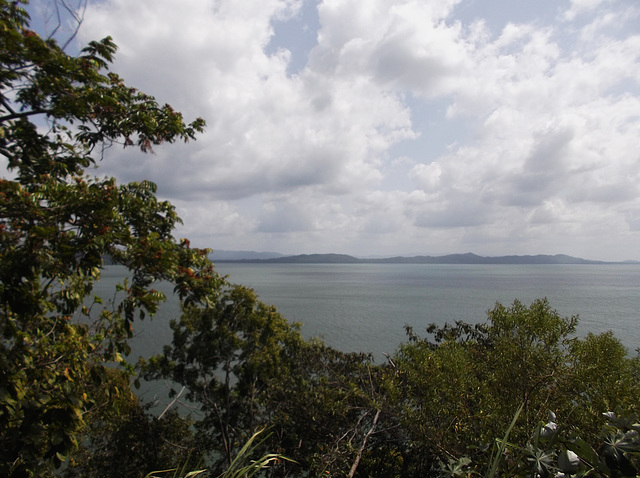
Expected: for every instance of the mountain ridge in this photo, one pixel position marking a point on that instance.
(465, 258)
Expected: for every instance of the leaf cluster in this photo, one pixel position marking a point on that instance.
(57, 224)
(458, 389)
(245, 367)
(554, 451)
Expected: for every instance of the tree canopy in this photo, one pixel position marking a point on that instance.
(57, 113)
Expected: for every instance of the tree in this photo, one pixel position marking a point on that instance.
(130, 441)
(225, 355)
(57, 114)
(246, 368)
(458, 390)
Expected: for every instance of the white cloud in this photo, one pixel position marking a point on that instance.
(265, 130)
(302, 162)
(579, 7)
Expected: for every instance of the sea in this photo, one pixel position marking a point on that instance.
(366, 307)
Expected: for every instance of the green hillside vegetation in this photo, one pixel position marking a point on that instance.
(518, 395)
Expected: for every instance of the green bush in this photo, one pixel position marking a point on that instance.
(459, 388)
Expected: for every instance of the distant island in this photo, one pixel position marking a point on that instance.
(467, 258)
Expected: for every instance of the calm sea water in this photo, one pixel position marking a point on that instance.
(365, 307)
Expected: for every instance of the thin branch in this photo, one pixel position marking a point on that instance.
(77, 17)
(4, 102)
(175, 445)
(23, 114)
(226, 439)
(79, 20)
(353, 430)
(171, 404)
(364, 444)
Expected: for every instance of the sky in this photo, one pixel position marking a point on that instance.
(390, 127)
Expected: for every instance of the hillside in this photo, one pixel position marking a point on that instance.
(467, 258)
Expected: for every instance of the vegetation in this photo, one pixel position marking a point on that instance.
(460, 388)
(464, 400)
(247, 368)
(57, 113)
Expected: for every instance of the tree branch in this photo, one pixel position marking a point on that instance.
(77, 17)
(23, 114)
(4, 102)
(171, 404)
(364, 444)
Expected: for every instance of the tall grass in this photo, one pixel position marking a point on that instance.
(241, 467)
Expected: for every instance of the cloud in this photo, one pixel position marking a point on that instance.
(285, 217)
(463, 213)
(300, 147)
(398, 45)
(266, 131)
(579, 7)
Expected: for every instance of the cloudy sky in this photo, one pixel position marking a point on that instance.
(385, 127)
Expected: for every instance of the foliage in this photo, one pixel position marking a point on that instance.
(246, 367)
(175, 473)
(459, 389)
(57, 114)
(555, 452)
(438, 400)
(324, 407)
(130, 441)
(224, 355)
(239, 468)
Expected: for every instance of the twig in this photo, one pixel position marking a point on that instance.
(364, 444)
(171, 404)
